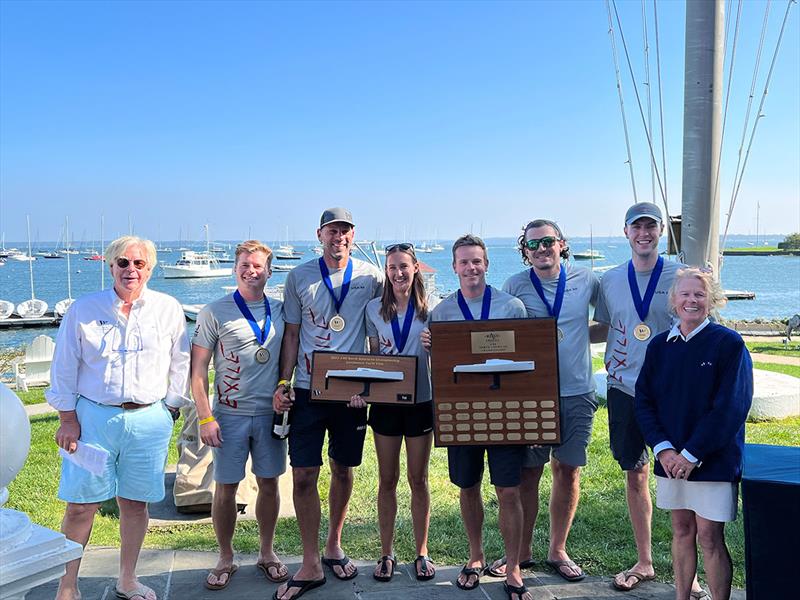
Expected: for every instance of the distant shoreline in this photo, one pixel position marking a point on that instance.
(759, 252)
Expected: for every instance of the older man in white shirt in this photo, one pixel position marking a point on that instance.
(120, 372)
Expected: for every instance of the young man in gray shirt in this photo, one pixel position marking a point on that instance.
(324, 301)
(477, 300)
(243, 333)
(551, 288)
(634, 308)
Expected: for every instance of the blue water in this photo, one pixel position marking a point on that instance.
(774, 279)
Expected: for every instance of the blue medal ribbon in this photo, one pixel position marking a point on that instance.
(643, 304)
(261, 334)
(401, 337)
(555, 309)
(487, 302)
(326, 279)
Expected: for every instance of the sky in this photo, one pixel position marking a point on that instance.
(426, 119)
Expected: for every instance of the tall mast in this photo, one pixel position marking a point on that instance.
(702, 130)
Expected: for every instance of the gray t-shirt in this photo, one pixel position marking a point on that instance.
(582, 290)
(242, 385)
(308, 303)
(503, 306)
(378, 328)
(624, 353)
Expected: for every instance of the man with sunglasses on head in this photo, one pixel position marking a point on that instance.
(242, 332)
(119, 375)
(324, 302)
(634, 308)
(476, 300)
(552, 288)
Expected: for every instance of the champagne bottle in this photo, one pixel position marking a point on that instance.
(280, 425)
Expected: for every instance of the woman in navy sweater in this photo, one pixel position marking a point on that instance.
(692, 398)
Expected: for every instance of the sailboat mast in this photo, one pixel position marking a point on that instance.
(69, 275)
(102, 262)
(30, 254)
(702, 130)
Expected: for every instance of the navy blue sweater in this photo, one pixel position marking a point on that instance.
(696, 395)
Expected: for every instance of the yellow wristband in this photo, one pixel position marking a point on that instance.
(284, 382)
(210, 419)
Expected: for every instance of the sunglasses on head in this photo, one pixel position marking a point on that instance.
(546, 242)
(402, 247)
(138, 263)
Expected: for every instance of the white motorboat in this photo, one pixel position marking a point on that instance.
(196, 264)
(588, 255)
(6, 309)
(280, 267)
(22, 257)
(286, 252)
(437, 247)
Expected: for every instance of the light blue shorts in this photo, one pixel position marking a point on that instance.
(244, 436)
(137, 442)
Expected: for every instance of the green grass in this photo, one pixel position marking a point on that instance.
(792, 370)
(753, 249)
(32, 396)
(601, 539)
(774, 348)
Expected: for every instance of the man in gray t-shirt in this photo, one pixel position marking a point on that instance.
(633, 316)
(324, 303)
(476, 300)
(243, 332)
(552, 288)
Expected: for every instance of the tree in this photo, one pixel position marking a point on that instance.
(790, 242)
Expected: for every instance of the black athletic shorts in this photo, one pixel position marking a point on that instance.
(395, 420)
(346, 429)
(627, 442)
(465, 464)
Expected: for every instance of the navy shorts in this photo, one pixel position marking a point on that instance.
(395, 420)
(627, 442)
(465, 464)
(346, 429)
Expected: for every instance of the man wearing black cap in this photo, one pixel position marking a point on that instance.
(324, 301)
(633, 305)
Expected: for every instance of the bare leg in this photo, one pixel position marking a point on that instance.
(472, 515)
(307, 508)
(77, 526)
(563, 503)
(418, 454)
(338, 499)
(640, 509)
(388, 451)
(717, 560)
(684, 551)
(223, 516)
(133, 519)
(268, 504)
(510, 519)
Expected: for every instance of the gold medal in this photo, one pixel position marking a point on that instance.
(641, 332)
(262, 355)
(560, 334)
(337, 323)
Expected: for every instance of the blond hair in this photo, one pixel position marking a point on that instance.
(716, 297)
(251, 246)
(117, 248)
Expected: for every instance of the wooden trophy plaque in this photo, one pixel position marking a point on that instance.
(378, 378)
(495, 382)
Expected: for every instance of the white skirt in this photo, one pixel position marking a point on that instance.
(712, 500)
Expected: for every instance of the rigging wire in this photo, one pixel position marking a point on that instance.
(660, 102)
(621, 102)
(649, 96)
(641, 113)
(759, 115)
(715, 187)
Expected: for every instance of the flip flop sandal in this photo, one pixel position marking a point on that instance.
(213, 586)
(492, 571)
(520, 590)
(339, 562)
(303, 584)
(421, 566)
(638, 579)
(140, 590)
(468, 572)
(557, 565)
(700, 595)
(386, 572)
(273, 564)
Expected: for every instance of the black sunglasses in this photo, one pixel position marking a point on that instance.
(402, 247)
(546, 242)
(138, 263)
